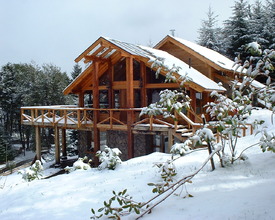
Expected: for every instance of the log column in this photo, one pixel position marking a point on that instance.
(143, 86)
(193, 103)
(110, 89)
(130, 103)
(81, 100)
(57, 145)
(64, 144)
(96, 105)
(38, 142)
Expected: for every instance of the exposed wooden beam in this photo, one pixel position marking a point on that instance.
(89, 58)
(57, 145)
(38, 142)
(96, 136)
(143, 90)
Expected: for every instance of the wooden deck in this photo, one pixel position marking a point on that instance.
(73, 117)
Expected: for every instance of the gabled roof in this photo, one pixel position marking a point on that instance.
(213, 58)
(110, 50)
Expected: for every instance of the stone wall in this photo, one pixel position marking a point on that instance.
(118, 139)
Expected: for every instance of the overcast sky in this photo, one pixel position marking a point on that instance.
(57, 31)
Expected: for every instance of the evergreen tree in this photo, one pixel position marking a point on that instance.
(236, 30)
(269, 28)
(29, 85)
(257, 24)
(74, 134)
(6, 152)
(76, 71)
(209, 33)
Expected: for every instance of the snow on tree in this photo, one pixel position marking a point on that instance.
(209, 33)
(236, 29)
(109, 158)
(33, 172)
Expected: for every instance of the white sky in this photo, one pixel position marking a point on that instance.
(57, 31)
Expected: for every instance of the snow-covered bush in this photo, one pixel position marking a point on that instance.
(167, 172)
(33, 172)
(169, 102)
(267, 142)
(109, 158)
(80, 164)
(181, 148)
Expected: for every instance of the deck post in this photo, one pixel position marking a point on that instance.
(130, 141)
(170, 139)
(57, 145)
(130, 104)
(64, 144)
(38, 142)
(96, 136)
(143, 91)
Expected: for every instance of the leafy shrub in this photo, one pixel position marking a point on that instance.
(109, 158)
(80, 164)
(33, 172)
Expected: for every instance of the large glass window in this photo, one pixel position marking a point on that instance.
(120, 70)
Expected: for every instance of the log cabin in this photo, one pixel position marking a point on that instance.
(118, 81)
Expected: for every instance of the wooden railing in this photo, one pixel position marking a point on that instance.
(75, 117)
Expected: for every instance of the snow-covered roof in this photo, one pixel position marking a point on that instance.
(168, 61)
(99, 50)
(209, 54)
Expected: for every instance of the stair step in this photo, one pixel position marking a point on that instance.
(187, 134)
(183, 130)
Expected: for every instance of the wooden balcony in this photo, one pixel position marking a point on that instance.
(73, 117)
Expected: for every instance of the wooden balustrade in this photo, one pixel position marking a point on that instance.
(76, 118)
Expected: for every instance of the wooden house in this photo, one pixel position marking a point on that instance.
(119, 80)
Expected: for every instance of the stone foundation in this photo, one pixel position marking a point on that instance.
(118, 139)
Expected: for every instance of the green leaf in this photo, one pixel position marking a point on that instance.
(150, 184)
(137, 211)
(93, 211)
(124, 191)
(100, 210)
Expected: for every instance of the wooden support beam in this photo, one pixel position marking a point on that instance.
(130, 103)
(170, 139)
(57, 145)
(96, 136)
(81, 100)
(38, 142)
(143, 91)
(64, 144)
(94, 58)
(130, 136)
(193, 103)
(130, 81)
(110, 89)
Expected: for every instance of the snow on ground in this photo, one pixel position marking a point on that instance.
(242, 191)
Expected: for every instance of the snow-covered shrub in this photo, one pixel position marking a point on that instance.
(109, 158)
(267, 142)
(33, 172)
(167, 172)
(80, 164)
(170, 101)
(181, 148)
